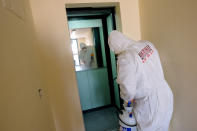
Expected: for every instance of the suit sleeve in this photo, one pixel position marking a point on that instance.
(127, 76)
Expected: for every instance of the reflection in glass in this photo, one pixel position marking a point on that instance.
(85, 48)
(75, 51)
(74, 46)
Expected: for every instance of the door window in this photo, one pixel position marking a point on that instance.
(86, 48)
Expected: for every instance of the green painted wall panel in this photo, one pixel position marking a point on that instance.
(109, 23)
(83, 87)
(76, 24)
(98, 82)
(103, 46)
(93, 88)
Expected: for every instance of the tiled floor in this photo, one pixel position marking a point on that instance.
(102, 120)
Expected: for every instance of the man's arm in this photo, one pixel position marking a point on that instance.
(127, 76)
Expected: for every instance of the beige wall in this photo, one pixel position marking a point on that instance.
(171, 26)
(52, 31)
(128, 12)
(21, 108)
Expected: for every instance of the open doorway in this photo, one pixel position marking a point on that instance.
(95, 64)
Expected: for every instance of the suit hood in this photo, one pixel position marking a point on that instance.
(118, 42)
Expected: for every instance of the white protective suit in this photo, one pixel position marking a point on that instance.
(141, 78)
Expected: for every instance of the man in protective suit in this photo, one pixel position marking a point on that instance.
(141, 78)
(86, 55)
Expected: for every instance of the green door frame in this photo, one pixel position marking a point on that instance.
(103, 17)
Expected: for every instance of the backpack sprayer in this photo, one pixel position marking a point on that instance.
(127, 120)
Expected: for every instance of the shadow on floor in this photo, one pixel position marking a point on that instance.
(102, 120)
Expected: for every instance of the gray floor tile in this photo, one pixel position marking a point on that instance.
(102, 120)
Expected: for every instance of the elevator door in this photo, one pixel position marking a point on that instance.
(90, 63)
(95, 69)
